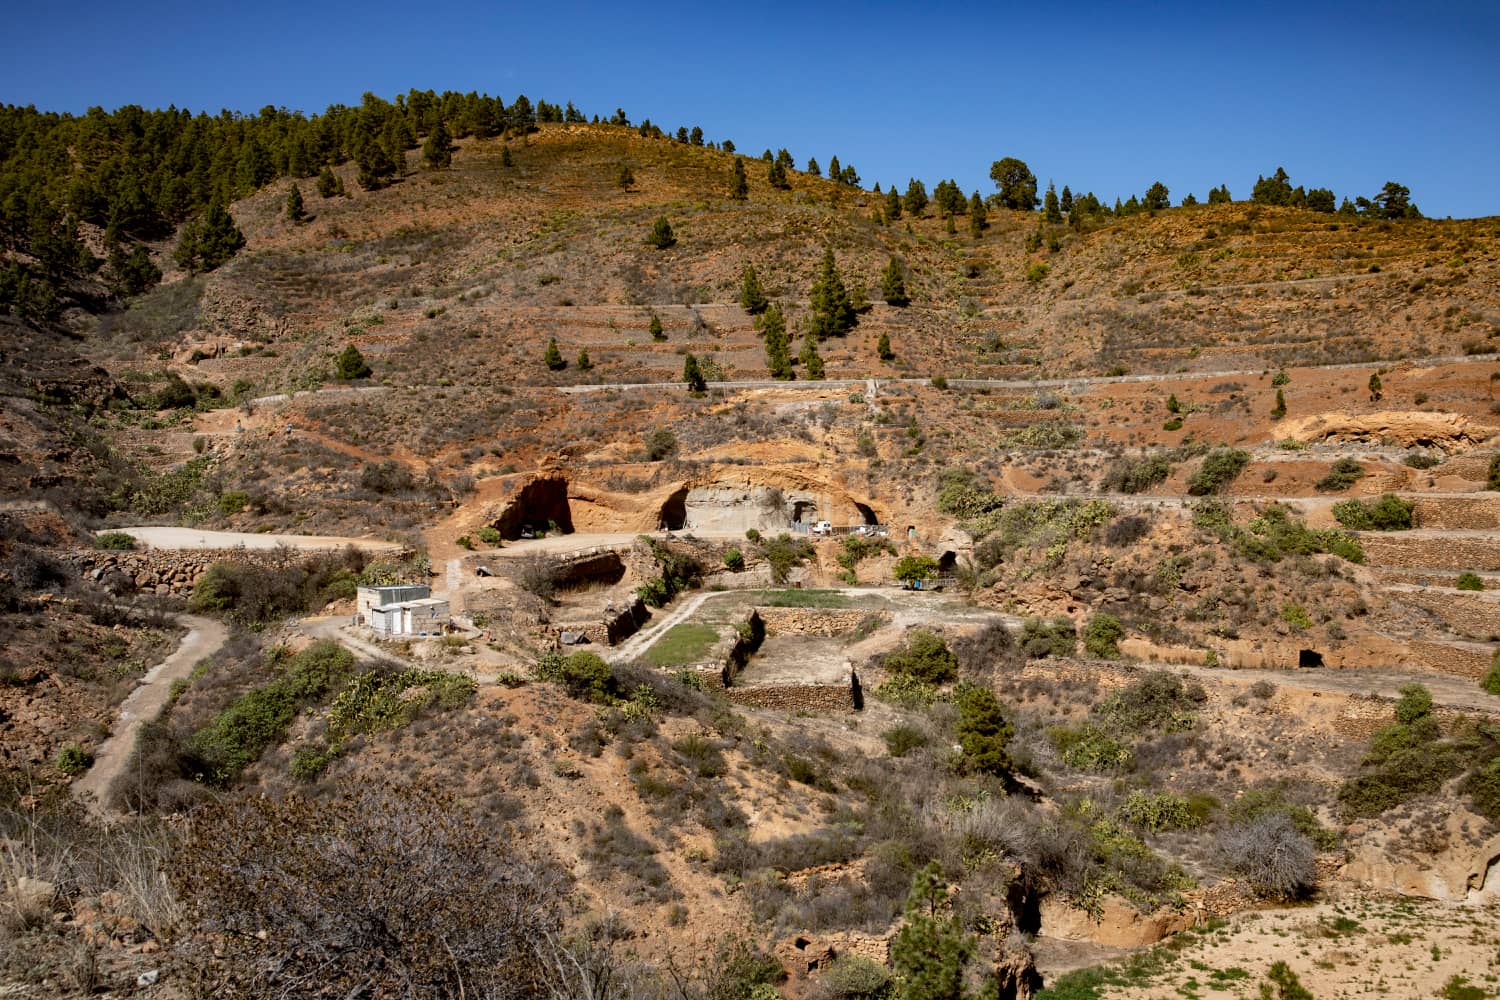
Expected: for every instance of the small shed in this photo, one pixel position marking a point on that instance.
(367, 599)
(423, 617)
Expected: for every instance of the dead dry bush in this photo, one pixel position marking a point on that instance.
(1269, 851)
(378, 891)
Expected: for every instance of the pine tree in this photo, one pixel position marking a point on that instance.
(813, 168)
(983, 732)
(776, 176)
(661, 235)
(553, 359)
(351, 364)
(584, 364)
(1280, 410)
(693, 375)
(437, 151)
(832, 313)
(295, 210)
(505, 160)
(376, 168)
(916, 198)
(739, 184)
(1377, 389)
(892, 205)
(208, 242)
(752, 296)
(655, 328)
(624, 177)
(812, 361)
(835, 172)
(893, 284)
(772, 326)
(978, 216)
(1051, 208)
(931, 949)
(329, 183)
(883, 348)
(1066, 204)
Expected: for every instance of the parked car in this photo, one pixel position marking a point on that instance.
(823, 528)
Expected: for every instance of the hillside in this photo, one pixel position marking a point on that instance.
(1170, 649)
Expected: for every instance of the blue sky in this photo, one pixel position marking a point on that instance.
(1100, 96)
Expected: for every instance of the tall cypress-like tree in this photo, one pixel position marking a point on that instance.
(916, 198)
(812, 361)
(893, 284)
(655, 328)
(584, 362)
(752, 296)
(931, 949)
(553, 359)
(832, 313)
(1066, 202)
(978, 216)
(892, 205)
(295, 210)
(693, 375)
(739, 184)
(329, 183)
(883, 347)
(1051, 208)
(772, 326)
(776, 176)
(437, 151)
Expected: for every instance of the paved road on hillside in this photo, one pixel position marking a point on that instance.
(144, 704)
(163, 537)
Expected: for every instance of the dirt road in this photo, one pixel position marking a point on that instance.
(163, 537)
(143, 705)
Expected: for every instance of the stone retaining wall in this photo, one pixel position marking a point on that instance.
(613, 628)
(1455, 552)
(1447, 658)
(796, 697)
(173, 571)
(1478, 511)
(823, 622)
(1475, 614)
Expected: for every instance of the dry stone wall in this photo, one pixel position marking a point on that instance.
(822, 622)
(172, 571)
(1480, 511)
(796, 697)
(1475, 614)
(1455, 552)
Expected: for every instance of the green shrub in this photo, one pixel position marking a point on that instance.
(1040, 638)
(1341, 475)
(1483, 789)
(233, 502)
(1296, 616)
(1158, 702)
(490, 536)
(1037, 270)
(1491, 680)
(1137, 475)
(587, 677)
(1220, 467)
(73, 760)
(259, 718)
(902, 740)
(783, 553)
(1090, 748)
(117, 541)
(1102, 635)
(1389, 513)
(1280, 379)
(734, 560)
(925, 658)
(907, 692)
(1175, 424)
(1422, 460)
(853, 977)
(1492, 478)
(1158, 811)
(1469, 581)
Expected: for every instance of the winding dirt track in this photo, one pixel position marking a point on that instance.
(204, 638)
